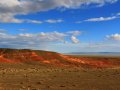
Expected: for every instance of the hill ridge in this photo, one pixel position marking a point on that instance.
(54, 58)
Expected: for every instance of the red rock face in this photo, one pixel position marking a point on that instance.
(23, 56)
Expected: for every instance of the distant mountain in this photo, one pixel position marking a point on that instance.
(95, 53)
(55, 59)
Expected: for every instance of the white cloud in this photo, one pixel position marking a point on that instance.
(101, 19)
(38, 40)
(74, 35)
(74, 39)
(9, 9)
(114, 37)
(9, 18)
(104, 46)
(75, 32)
(54, 21)
(3, 31)
(33, 21)
(118, 14)
(26, 35)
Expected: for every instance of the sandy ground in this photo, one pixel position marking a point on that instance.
(35, 77)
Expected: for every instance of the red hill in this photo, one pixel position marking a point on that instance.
(53, 58)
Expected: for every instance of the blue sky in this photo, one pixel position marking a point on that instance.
(62, 26)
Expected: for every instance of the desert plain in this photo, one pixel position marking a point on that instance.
(41, 70)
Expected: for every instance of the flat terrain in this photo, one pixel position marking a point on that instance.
(43, 70)
(43, 77)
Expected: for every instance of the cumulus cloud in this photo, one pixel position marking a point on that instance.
(74, 35)
(114, 37)
(9, 18)
(9, 9)
(74, 39)
(39, 40)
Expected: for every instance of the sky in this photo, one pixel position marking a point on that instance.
(60, 25)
